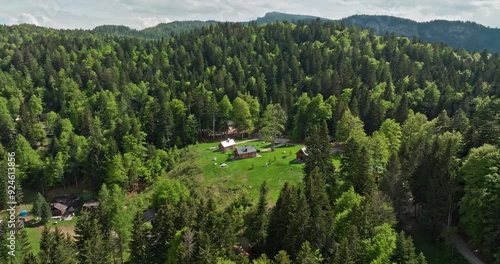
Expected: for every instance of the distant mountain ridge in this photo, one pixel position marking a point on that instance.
(467, 35)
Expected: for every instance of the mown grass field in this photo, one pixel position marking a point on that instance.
(250, 173)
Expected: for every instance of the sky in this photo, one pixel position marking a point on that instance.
(140, 14)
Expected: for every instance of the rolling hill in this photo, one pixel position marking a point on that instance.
(467, 35)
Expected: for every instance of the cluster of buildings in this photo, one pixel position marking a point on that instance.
(251, 152)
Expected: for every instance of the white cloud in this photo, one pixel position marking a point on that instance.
(24, 18)
(145, 22)
(28, 18)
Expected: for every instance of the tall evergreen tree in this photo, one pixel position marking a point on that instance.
(356, 169)
(139, 243)
(297, 230)
(36, 210)
(162, 232)
(307, 255)
(90, 241)
(318, 150)
(279, 219)
(257, 222)
(45, 213)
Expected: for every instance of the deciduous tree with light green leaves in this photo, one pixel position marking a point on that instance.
(349, 126)
(274, 121)
(241, 116)
(480, 204)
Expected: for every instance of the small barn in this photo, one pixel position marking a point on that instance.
(302, 154)
(245, 152)
(227, 144)
(88, 206)
(58, 209)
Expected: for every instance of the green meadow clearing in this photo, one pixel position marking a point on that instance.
(250, 173)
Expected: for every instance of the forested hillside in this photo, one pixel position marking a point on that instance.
(419, 124)
(459, 34)
(463, 35)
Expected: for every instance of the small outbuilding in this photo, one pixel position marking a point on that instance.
(149, 215)
(302, 154)
(58, 209)
(227, 144)
(245, 152)
(88, 206)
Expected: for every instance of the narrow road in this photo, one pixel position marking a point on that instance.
(464, 250)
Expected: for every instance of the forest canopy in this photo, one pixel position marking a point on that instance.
(418, 122)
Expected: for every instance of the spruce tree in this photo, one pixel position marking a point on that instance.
(45, 212)
(23, 246)
(297, 230)
(89, 240)
(82, 230)
(257, 222)
(279, 219)
(356, 167)
(37, 205)
(282, 258)
(320, 229)
(4, 250)
(64, 251)
(162, 232)
(47, 246)
(319, 152)
(307, 255)
(95, 250)
(405, 251)
(139, 243)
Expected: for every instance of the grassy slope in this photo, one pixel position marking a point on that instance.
(250, 173)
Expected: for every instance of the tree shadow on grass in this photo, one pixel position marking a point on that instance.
(268, 146)
(295, 161)
(33, 223)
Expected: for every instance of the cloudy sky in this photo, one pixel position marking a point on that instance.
(146, 13)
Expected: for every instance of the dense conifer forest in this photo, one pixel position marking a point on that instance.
(418, 123)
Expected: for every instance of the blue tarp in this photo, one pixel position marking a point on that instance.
(23, 213)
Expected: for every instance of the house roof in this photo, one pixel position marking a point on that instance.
(304, 151)
(149, 214)
(59, 206)
(90, 204)
(227, 143)
(247, 149)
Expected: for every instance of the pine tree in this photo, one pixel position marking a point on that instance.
(139, 243)
(307, 255)
(405, 251)
(95, 250)
(421, 259)
(356, 167)
(64, 251)
(46, 213)
(4, 250)
(37, 205)
(89, 240)
(23, 246)
(279, 219)
(257, 222)
(297, 230)
(162, 232)
(47, 246)
(282, 258)
(349, 250)
(320, 229)
(318, 150)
